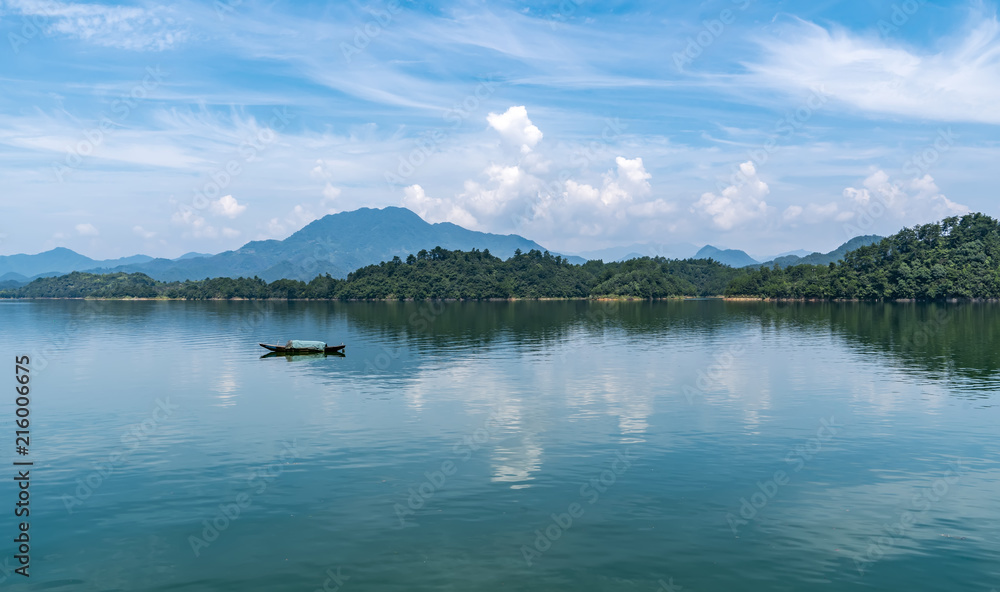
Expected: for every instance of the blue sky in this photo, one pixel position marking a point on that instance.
(767, 126)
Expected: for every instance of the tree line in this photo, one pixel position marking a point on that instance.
(958, 257)
(438, 273)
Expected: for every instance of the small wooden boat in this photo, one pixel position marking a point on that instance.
(304, 347)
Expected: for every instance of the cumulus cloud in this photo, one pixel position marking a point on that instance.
(509, 198)
(330, 193)
(652, 209)
(319, 172)
(736, 204)
(228, 206)
(631, 181)
(515, 127)
(298, 217)
(435, 209)
(906, 202)
(87, 229)
(274, 229)
(792, 213)
(620, 187)
(959, 80)
(814, 213)
(194, 224)
(879, 201)
(533, 195)
(140, 231)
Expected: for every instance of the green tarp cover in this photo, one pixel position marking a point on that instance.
(298, 344)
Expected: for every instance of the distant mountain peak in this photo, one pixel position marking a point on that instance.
(730, 257)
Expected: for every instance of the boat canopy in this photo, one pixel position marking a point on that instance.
(299, 344)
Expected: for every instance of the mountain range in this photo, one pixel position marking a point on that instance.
(336, 244)
(340, 243)
(826, 258)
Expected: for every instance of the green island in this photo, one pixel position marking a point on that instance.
(956, 258)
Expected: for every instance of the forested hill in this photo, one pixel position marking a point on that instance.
(954, 258)
(438, 273)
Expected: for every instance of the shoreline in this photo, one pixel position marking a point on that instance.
(538, 299)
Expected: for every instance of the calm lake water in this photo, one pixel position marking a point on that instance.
(697, 446)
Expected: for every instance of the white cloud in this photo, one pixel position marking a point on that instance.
(319, 171)
(631, 181)
(436, 209)
(652, 209)
(87, 229)
(515, 127)
(879, 204)
(813, 213)
(509, 198)
(913, 201)
(330, 193)
(140, 231)
(957, 81)
(737, 204)
(196, 225)
(228, 206)
(792, 213)
(274, 229)
(230, 232)
(620, 188)
(301, 215)
(296, 219)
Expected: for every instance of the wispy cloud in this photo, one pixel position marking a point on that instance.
(132, 28)
(958, 80)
